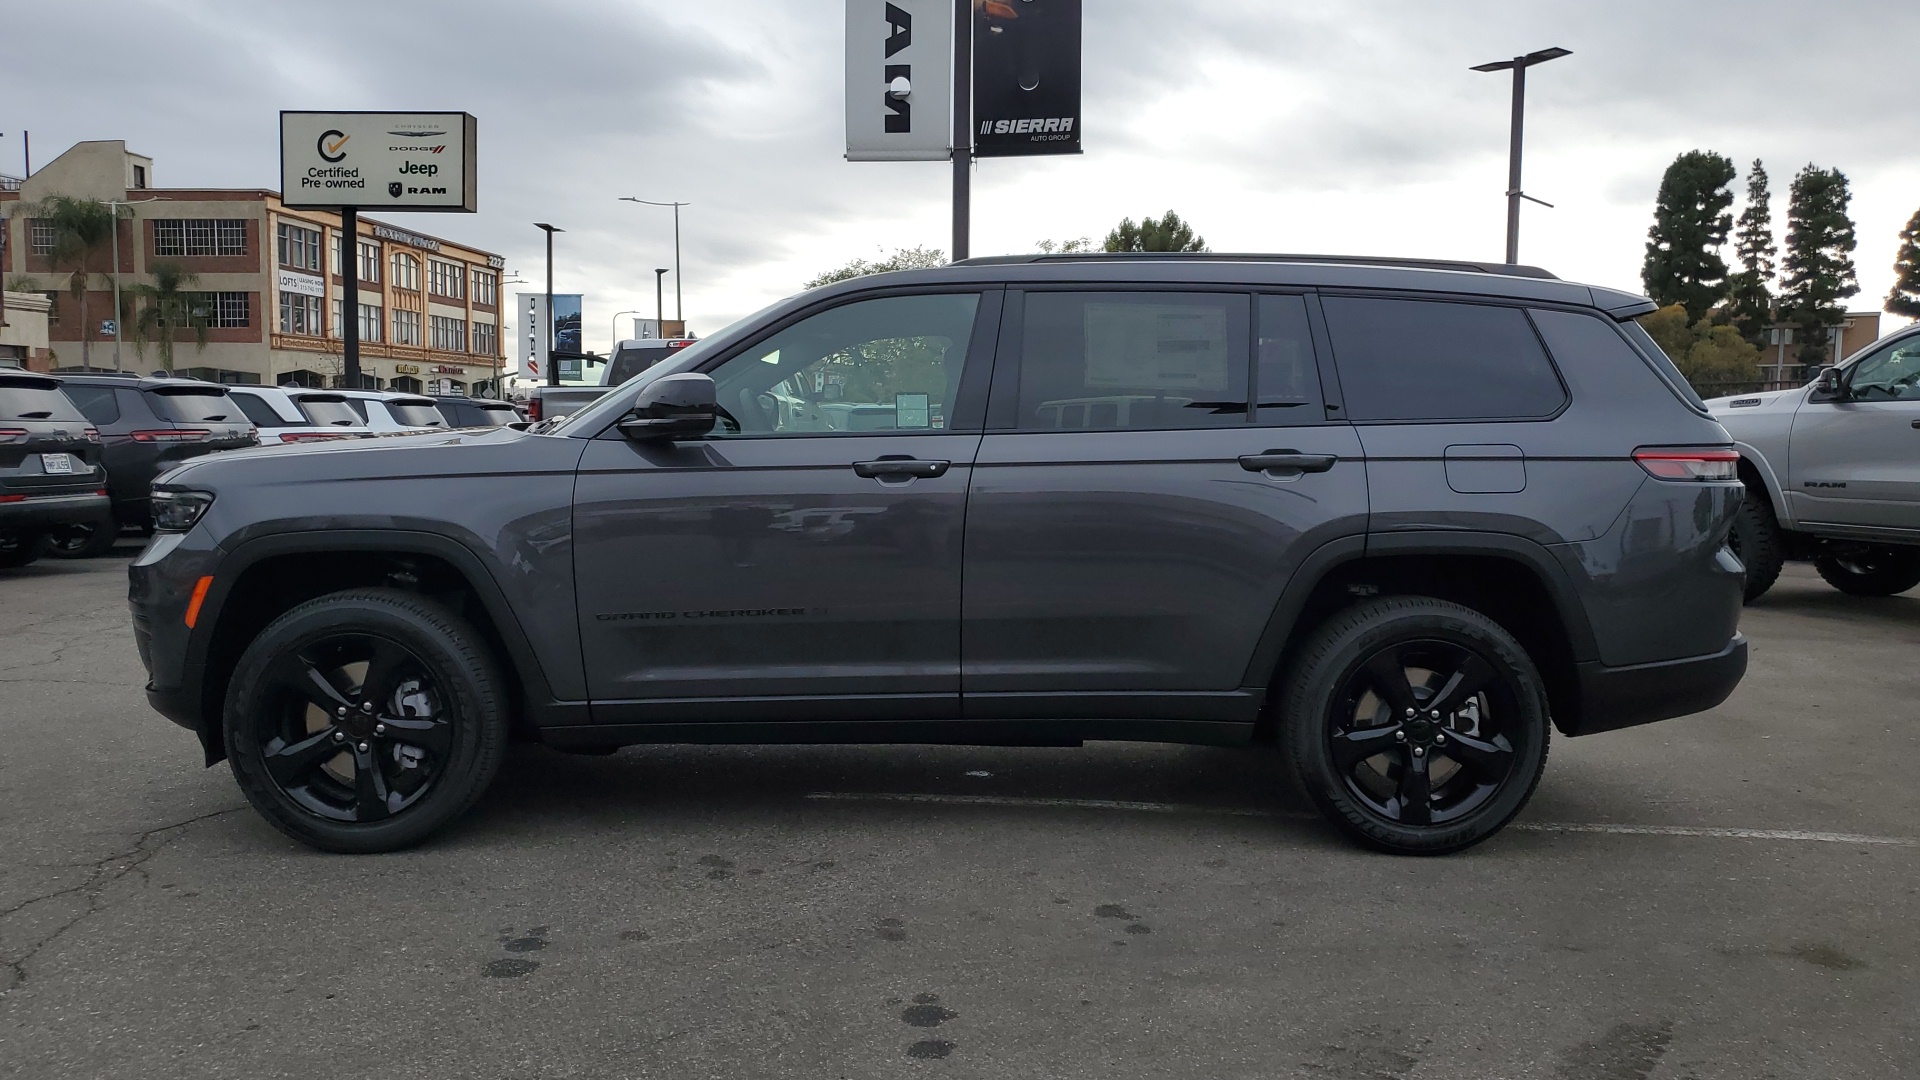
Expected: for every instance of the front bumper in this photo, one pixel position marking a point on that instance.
(44, 511)
(160, 586)
(1618, 697)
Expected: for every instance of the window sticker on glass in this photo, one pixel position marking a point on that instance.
(912, 410)
(1165, 345)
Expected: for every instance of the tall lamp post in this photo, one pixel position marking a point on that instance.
(113, 207)
(1519, 65)
(615, 347)
(679, 313)
(553, 373)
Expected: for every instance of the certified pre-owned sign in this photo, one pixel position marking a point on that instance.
(394, 161)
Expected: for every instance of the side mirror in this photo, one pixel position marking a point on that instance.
(1827, 384)
(675, 407)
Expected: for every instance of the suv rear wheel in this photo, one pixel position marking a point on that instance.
(363, 721)
(1416, 725)
(20, 548)
(1871, 570)
(86, 540)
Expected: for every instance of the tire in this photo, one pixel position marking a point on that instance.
(1871, 571)
(1757, 541)
(21, 548)
(1363, 760)
(385, 776)
(88, 540)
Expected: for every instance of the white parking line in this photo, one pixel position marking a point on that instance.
(1233, 811)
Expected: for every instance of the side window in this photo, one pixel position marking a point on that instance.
(1433, 360)
(887, 364)
(1286, 382)
(1132, 360)
(359, 406)
(95, 403)
(258, 411)
(1892, 374)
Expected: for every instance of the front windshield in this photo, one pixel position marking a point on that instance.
(609, 406)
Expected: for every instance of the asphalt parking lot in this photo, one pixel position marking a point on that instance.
(1729, 895)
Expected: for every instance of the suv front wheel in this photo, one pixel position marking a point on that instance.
(1416, 725)
(363, 721)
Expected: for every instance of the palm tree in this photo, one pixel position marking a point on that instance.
(169, 309)
(82, 231)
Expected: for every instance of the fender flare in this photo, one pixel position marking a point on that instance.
(1769, 481)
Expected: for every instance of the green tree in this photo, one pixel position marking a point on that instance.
(1749, 299)
(166, 310)
(1690, 222)
(1064, 247)
(1714, 359)
(82, 235)
(1165, 233)
(913, 258)
(1818, 268)
(1905, 297)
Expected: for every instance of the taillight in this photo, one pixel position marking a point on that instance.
(12, 498)
(533, 409)
(13, 434)
(93, 434)
(1684, 463)
(171, 435)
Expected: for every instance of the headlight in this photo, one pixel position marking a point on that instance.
(177, 511)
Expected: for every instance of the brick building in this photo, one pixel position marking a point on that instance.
(267, 283)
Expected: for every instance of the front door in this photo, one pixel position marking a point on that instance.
(1857, 462)
(810, 547)
(1132, 523)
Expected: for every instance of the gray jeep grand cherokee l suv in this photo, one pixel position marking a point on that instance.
(1398, 518)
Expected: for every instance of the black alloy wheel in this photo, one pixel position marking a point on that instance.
(1418, 726)
(1870, 569)
(83, 541)
(363, 721)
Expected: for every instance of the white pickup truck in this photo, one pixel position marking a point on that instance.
(1833, 472)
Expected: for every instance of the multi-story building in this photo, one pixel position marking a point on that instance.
(266, 284)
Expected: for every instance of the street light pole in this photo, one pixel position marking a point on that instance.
(659, 300)
(679, 313)
(615, 347)
(1518, 65)
(553, 373)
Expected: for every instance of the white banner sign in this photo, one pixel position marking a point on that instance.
(301, 284)
(899, 80)
(387, 161)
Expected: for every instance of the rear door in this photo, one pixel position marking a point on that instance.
(1857, 462)
(1144, 492)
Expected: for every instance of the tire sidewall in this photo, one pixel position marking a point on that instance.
(449, 649)
(1333, 656)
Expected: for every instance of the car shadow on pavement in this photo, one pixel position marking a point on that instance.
(1902, 610)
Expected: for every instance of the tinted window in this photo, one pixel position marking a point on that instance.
(489, 415)
(359, 407)
(1286, 380)
(34, 399)
(96, 402)
(889, 364)
(329, 412)
(1427, 360)
(258, 411)
(193, 405)
(416, 413)
(630, 362)
(1663, 364)
(1892, 374)
(1105, 361)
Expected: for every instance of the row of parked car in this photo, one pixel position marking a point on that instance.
(78, 453)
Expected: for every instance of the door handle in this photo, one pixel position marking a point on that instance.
(1291, 460)
(1916, 423)
(900, 466)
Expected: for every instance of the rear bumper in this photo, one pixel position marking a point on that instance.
(40, 511)
(1618, 697)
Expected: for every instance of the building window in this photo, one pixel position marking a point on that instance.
(221, 310)
(446, 279)
(177, 238)
(370, 322)
(40, 237)
(449, 335)
(139, 176)
(369, 263)
(406, 272)
(299, 247)
(300, 314)
(406, 327)
(486, 339)
(53, 310)
(486, 287)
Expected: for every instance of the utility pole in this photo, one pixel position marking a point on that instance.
(962, 126)
(679, 313)
(1519, 65)
(553, 372)
(659, 301)
(350, 296)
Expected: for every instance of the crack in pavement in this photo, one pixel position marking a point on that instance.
(102, 874)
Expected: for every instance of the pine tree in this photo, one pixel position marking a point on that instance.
(1690, 222)
(1817, 272)
(1749, 300)
(1167, 233)
(1905, 297)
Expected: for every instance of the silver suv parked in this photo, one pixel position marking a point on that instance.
(1400, 518)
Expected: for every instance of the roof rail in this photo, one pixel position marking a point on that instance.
(1506, 269)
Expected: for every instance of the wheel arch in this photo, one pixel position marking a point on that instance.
(1756, 472)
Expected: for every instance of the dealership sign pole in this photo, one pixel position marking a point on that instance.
(349, 161)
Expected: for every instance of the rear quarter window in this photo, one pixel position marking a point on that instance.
(35, 399)
(1429, 360)
(194, 406)
(1602, 367)
(259, 411)
(96, 403)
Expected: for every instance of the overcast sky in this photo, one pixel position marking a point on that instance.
(1336, 126)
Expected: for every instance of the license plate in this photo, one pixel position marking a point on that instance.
(56, 463)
